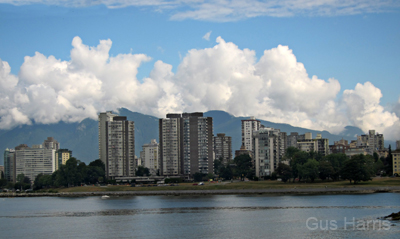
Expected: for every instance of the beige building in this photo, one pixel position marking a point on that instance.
(170, 145)
(62, 155)
(117, 145)
(149, 157)
(248, 127)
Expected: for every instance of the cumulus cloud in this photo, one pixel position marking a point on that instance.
(231, 10)
(207, 36)
(275, 87)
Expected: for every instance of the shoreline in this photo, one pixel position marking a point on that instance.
(284, 191)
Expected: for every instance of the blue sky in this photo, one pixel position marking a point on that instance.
(354, 42)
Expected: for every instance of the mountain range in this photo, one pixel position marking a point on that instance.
(82, 137)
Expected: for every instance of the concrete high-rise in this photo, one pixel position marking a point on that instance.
(170, 151)
(268, 144)
(117, 145)
(9, 164)
(248, 127)
(186, 144)
(33, 161)
(223, 148)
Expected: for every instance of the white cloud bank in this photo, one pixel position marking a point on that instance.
(231, 10)
(275, 88)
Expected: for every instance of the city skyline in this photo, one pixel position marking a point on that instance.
(322, 67)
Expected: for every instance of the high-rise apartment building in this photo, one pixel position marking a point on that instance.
(268, 150)
(371, 142)
(51, 143)
(223, 148)
(186, 144)
(170, 151)
(117, 145)
(248, 127)
(149, 157)
(9, 165)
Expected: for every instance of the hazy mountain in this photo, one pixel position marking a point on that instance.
(82, 138)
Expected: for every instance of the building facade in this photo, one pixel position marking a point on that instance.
(117, 145)
(396, 162)
(223, 148)
(62, 155)
(149, 157)
(9, 165)
(371, 141)
(186, 144)
(33, 161)
(269, 149)
(170, 149)
(248, 127)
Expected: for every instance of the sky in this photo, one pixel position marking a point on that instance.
(318, 64)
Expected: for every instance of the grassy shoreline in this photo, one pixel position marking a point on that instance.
(250, 187)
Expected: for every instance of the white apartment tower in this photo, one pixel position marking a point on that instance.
(117, 145)
(248, 127)
(149, 157)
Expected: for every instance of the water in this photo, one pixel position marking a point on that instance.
(219, 216)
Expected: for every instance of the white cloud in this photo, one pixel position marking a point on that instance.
(276, 88)
(231, 10)
(207, 36)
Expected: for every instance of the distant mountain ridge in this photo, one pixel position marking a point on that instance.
(82, 138)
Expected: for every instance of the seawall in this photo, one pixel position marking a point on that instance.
(285, 191)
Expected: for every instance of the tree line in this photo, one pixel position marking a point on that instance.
(309, 166)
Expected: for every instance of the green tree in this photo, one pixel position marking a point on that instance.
(142, 171)
(21, 178)
(358, 168)
(43, 181)
(389, 162)
(379, 167)
(337, 161)
(226, 173)
(218, 165)
(244, 166)
(309, 170)
(284, 171)
(197, 177)
(325, 170)
(3, 182)
(298, 159)
(97, 163)
(291, 151)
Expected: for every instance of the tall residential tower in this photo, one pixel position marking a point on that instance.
(117, 145)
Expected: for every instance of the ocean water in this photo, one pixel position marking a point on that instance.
(218, 216)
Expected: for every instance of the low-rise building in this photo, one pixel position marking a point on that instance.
(62, 156)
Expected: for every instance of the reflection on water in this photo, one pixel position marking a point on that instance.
(124, 212)
(221, 216)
